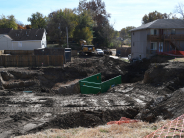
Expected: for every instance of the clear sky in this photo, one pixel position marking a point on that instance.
(123, 12)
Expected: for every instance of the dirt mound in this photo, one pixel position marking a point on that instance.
(86, 119)
(169, 106)
(163, 72)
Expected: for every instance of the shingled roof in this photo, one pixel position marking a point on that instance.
(5, 30)
(27, 34)
(162, 24)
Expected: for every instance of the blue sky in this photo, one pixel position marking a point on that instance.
(123, 12)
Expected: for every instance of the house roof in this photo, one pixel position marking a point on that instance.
(162, 24)
(5, 30)
(27, 34)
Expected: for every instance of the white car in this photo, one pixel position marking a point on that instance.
(99, 52)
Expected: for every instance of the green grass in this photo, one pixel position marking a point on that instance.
(104, 131)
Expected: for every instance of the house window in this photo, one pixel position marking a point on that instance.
(153, 31)
(173, 31)
(153, 45)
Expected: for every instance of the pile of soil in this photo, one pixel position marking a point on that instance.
(168, 82)
(86, 118)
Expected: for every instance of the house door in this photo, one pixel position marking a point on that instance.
(160, 46)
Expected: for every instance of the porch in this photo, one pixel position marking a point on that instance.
(173, 40)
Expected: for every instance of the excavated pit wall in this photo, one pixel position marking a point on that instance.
(65, 80)
(54, 97)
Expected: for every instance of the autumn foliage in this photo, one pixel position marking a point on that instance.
(24, 27)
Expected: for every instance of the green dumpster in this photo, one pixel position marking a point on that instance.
(93, 84)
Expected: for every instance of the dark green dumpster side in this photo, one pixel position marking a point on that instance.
(93, 84)
(110, 83)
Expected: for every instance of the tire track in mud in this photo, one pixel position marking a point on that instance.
(61, 110)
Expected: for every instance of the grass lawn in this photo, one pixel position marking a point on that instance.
(132, 130)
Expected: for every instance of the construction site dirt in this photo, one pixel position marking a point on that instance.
(34, 99)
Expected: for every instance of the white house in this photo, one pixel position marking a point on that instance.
(28, 39)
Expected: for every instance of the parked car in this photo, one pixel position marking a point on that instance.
(99, 52)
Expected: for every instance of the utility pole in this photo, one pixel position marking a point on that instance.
(67, 35)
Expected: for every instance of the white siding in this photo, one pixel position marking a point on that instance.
(5, 43)
(26, 45)
(1, 35)
(44, 41)
(139, 44)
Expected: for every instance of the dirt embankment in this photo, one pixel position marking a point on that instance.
(55, 96)
(149, 92)
(168, 82)
(56, 79)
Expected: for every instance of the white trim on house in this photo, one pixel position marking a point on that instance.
(153, 46)
(7, 37)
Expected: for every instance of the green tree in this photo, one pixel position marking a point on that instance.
(128, 28)
(57, 23)
(151, 17)
(108, 35)
(8, 22)
(83, 30)
(125, 32)
(156, 15)
(37, 20)
(100, 17)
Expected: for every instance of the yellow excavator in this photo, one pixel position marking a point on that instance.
(86, 49)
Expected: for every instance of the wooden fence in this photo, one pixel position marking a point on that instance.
(123, 51)
(31, 60)
(74, 53)
(19, 52)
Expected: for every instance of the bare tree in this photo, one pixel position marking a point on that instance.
(180, 9)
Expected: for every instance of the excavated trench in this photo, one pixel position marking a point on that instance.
(56, 102)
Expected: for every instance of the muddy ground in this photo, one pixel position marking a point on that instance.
(151, 90)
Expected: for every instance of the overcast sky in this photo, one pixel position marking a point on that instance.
(123, 12)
